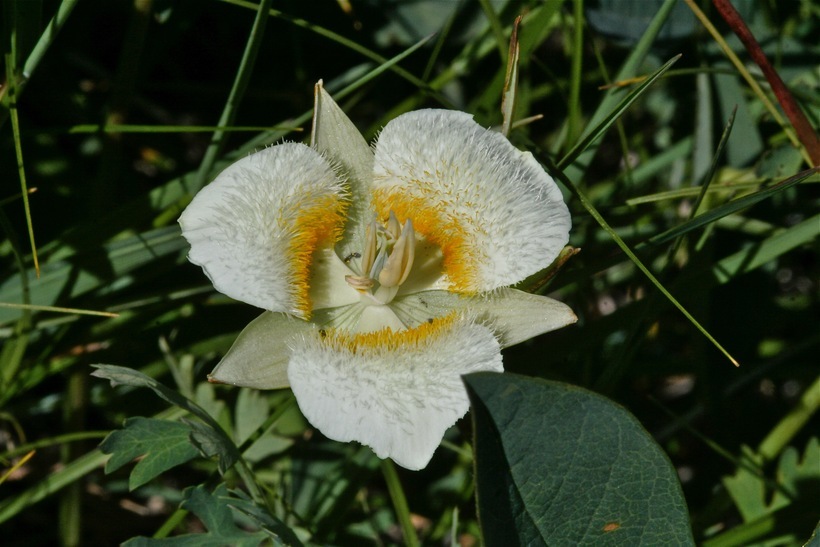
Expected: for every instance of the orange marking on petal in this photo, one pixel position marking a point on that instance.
(316, 224)
(387, 340)
(441, 225)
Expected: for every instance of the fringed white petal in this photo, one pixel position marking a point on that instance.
(255, 227)
(494, 211)
(395, 392)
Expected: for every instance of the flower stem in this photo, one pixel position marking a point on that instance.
(399, 503)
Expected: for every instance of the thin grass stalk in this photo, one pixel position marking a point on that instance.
(767, 103)
(240, 84)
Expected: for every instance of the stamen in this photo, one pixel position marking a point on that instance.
(400, 262)
(393, 226)
(370, 248)
(359, 282)
(387, 256)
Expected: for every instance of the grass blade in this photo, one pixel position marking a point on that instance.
(625, 248)
(616, 113)
(240, 84)
(729, 208)
(18, 150)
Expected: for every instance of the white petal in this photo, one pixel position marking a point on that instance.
(497, 215)
(255, 227)
(337, 138)
(395, 392)
(259, 356)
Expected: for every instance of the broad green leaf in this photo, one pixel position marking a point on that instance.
(214, 510)
(164, 444)
(559, 465)
(263, 518)
(211, 444)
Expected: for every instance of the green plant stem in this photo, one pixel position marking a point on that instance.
(18, 150)
(574, 110)
(171, 523)
(391, 477)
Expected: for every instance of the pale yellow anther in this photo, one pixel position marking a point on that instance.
(400, 261)
(360, 283)
(393, 226)
(370, 248)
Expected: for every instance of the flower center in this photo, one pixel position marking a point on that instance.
(386, 261)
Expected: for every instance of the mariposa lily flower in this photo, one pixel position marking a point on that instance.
(383, 271)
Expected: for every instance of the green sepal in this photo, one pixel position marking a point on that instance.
(335, 136)
(259, 357)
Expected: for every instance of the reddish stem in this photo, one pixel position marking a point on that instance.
(805, 132)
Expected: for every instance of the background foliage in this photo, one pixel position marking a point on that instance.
(110, 110)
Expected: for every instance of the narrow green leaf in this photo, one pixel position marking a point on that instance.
(576, 74)
(84, 272)
(755, 256)
(496, 27)
(240, 84)
(54, 482)
(625, 248)
(164, 444)
(559, 465)
(728, 208)
(616, 113)
(628, 70)
(338, 39)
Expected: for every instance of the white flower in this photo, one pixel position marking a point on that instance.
(383, 271)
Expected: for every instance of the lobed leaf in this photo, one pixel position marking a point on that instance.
(214, 510)
(164, 444)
